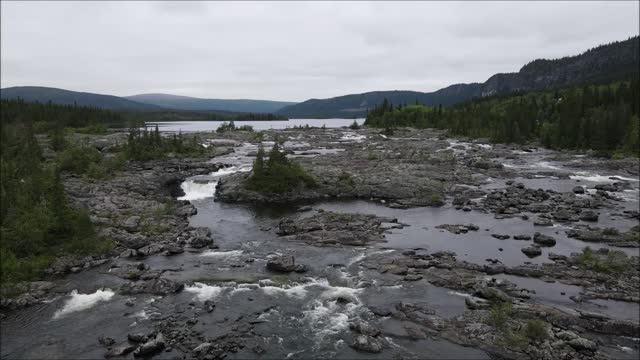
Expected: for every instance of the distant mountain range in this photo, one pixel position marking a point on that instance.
(616, 61)
(168, 101)
(142, 102)
(67, 97)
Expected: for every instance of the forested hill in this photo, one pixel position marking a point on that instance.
(606, 63)
(67, 97)
(168, 101)
(605, 118)
(356, 105)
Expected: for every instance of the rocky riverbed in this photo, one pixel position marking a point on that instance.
(414, 245)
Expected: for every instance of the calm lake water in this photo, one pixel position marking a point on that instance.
(193, 126)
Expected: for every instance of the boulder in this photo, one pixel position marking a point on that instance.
(159, 286)
(364, 328)
(578, 190)
(607, 187)
(544, 240)
(284, 263)
(492, 294)
(580, 343)
(137, 337)
(134, 241)
(203, 348)
(173, 249)
(366, 343)
(589, 215)
(532, 251)
(119, 350)
(131, 223)
(542, 221)
(150, 347)
(413, 277)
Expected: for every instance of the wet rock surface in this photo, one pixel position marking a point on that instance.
(329, 228)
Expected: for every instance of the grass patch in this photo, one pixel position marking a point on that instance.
(614, 261)
(535, 330)
(499, 314)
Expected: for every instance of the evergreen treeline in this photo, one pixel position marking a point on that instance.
(36, 222)
(603, 118)
(246, 117)
(277, 174)
(48, 116)
(147, 145)
(178, 115)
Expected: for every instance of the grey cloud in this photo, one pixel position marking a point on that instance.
(291, 50)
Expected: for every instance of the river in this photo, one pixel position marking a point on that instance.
(194, 126)
(295, 315)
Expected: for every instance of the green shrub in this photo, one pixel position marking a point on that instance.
(346, 177)
(115, 163)
(614, 261)
(436, 198)
(535, 330)
(97, 171)
(499, 314)
(95, 129)
(77, 159)
(58, 141)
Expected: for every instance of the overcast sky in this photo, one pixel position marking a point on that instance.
(291, 50)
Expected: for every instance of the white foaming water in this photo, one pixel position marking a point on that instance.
(546, 165)
(327, 318)
(625, 349)
(141, 315)
(381, 252)
(340, 292)
(230, 170)
(238, 290)
(203, 291)
(586, 176)
(222, 254)
(356, 258)
(631, 195)
(267, 314)
(197, 190)
(79, 302)
(352, 137)
(458, 294)
(296, 291)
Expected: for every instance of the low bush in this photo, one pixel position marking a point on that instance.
(614, 261)
(535, 330)
(499, 314)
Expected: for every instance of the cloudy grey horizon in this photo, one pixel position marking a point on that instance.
(291, 51)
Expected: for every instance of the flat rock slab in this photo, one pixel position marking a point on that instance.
(330, 228)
